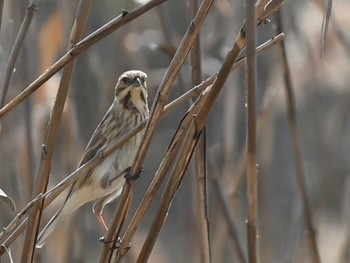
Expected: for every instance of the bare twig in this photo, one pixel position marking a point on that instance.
(77, 49)
(31, 9)
(300, 173)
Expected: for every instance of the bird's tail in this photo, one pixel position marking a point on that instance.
(54, 222)
(72, 203)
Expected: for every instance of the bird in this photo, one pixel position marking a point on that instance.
(104, 182)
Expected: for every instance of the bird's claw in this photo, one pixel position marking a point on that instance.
(131, 177)
(104, 241)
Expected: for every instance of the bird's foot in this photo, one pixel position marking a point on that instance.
(104, 241)
(132, 177)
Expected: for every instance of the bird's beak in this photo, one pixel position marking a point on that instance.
(137, 83)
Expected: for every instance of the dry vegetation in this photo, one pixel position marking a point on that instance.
(245, 151)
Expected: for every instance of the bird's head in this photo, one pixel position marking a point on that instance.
(131, 90)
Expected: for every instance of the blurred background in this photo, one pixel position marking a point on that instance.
(148, 43)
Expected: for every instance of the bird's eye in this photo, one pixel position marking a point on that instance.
(142, 79)
(125, 79)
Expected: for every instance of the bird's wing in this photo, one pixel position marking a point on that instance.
(98, 139)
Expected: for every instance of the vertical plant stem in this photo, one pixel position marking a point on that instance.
(298, 159)
(200, 156)
(42, 177)
(252, 186)
(31, 9)
(202, 200)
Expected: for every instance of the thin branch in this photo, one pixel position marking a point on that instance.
(84, 44)
(31, 9)
(298, 159)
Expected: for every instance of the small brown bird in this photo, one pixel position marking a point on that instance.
(104, 182)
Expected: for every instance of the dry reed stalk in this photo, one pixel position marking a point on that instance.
(30, 11)
(200, 157)
(297, 152)
(252, 178)
(42, 176)
(77, 49)
(202, 199)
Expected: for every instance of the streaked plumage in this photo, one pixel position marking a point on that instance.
(104, 182)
